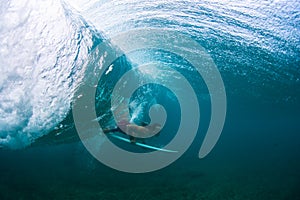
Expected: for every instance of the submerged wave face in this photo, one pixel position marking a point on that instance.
(257, 41)
(41, 53)
(43, 45)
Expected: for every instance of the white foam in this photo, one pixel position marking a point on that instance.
(38, 69)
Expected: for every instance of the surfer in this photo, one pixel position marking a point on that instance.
(135, 131)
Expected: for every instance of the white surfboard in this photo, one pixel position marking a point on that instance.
(141, 144)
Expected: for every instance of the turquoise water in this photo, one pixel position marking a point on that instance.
(44, 50)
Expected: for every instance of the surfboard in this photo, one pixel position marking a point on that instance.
(141, 144)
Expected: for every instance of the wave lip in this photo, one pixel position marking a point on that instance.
(43, 46)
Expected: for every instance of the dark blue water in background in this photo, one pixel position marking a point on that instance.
(255, 46)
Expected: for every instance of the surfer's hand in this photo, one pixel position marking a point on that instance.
(132, 139)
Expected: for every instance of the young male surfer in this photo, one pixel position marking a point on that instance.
(135, 131)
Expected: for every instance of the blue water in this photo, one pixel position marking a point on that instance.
(44, 51)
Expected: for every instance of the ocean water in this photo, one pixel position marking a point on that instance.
(51, 51)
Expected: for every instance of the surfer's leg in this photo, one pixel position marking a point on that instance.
(112, 130)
